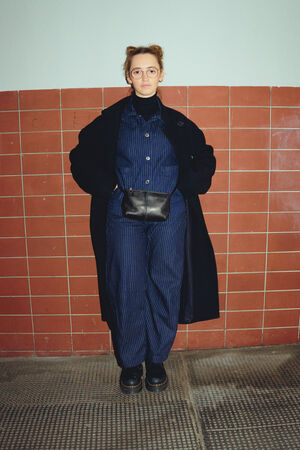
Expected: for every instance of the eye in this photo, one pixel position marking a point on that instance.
(136, 72)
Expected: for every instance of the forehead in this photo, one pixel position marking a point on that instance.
(144, 60)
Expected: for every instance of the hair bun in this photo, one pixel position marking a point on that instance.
(157, 49)
(130, 49)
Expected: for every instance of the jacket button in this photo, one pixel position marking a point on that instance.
(147, 181)
(192, 156)
(147, 134)
(147, 158)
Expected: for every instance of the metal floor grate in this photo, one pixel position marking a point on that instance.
(242, 398)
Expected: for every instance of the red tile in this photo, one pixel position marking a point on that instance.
(213, 324)
(281, 318)
(46, 142)
(12, 247)
(85, 304)
(53, 342)
(285, 181)
(246, 262)
(285, 118)
(245, 300)
(78, 118)
(246, 282)
(10, 305)
(9, 122)
(78, 225)
(251, 160)
(83, 285)
(14, 286)
(66, 164)
(210, 117)
(222, 157)
(81, 98)
(80, 246)
(10, 165)
(250, 138)
(208, 95)
(180, 341)
(47, 246)
(250, 95)
(71, 187)
(284, 261)
(13, 267)
(284, 201)
(285, 96)
(249, 181)
(173, 95)
(78, 204)
(82, 266)
(15, 324)
(88, 324)
(9, 143)
(11, 185)
(11, 207)
(50, 305)
(40, 99)
(15, 354)
(221, 263)
(98, 342)
(214, 202)
(44, 206)
(47, 267)
(249, 117)
(244, 319)
(112, 95)
(49, 286)
(42, 164)
(280, 336)
(251, 222)
(52, 324)
(284, 242)
(283, 281)
(70, 140)
(216, 223)
(220, 182)
(248, 202)
(205, 339)
(284, 222)
(40, 120)
(16, 342)
(285, 160)
(243, 338)
(219, 139)
(8, 100)
(222, 282)
(247, 242)
(289, 139)
(43, 184)
(219, 242)
(13, 227)
(45, 226)
(289, 299)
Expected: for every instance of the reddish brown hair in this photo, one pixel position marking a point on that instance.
(131, 51)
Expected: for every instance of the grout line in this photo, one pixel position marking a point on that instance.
(65, 225)
(25, 228)
(228, 218)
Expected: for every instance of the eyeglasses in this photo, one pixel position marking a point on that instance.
(151, 72)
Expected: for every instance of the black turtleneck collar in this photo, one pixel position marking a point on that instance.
(145, 106)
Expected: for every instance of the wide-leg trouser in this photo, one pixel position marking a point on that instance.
(144, 273)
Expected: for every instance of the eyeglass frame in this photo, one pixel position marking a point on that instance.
(144, 71)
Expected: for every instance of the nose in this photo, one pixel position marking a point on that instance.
(144, 75)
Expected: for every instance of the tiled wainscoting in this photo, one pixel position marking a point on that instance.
(48, 287)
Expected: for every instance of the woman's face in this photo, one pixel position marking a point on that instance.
(145, 86)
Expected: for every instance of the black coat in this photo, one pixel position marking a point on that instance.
(93, 168)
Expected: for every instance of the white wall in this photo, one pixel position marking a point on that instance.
(49, 44)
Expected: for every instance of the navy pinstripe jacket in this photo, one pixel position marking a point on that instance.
(93, 166)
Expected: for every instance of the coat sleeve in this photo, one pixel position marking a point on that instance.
(87, 161)
(201, 166)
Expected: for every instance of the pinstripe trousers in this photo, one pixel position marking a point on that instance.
(144, 271)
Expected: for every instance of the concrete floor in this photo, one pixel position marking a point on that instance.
(241, 398)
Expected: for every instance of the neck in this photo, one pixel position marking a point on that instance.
(145, 106)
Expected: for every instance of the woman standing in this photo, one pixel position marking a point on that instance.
(141, 156)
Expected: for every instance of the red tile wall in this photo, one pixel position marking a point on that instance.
(48, 285)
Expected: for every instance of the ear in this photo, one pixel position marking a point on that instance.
(129, 81)
(162, 73)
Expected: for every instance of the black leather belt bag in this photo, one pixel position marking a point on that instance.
(146, 205)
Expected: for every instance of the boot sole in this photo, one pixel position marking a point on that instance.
(156, 387)
(131, 389)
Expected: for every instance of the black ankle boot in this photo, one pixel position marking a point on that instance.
(131, 379)
(156, 377)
